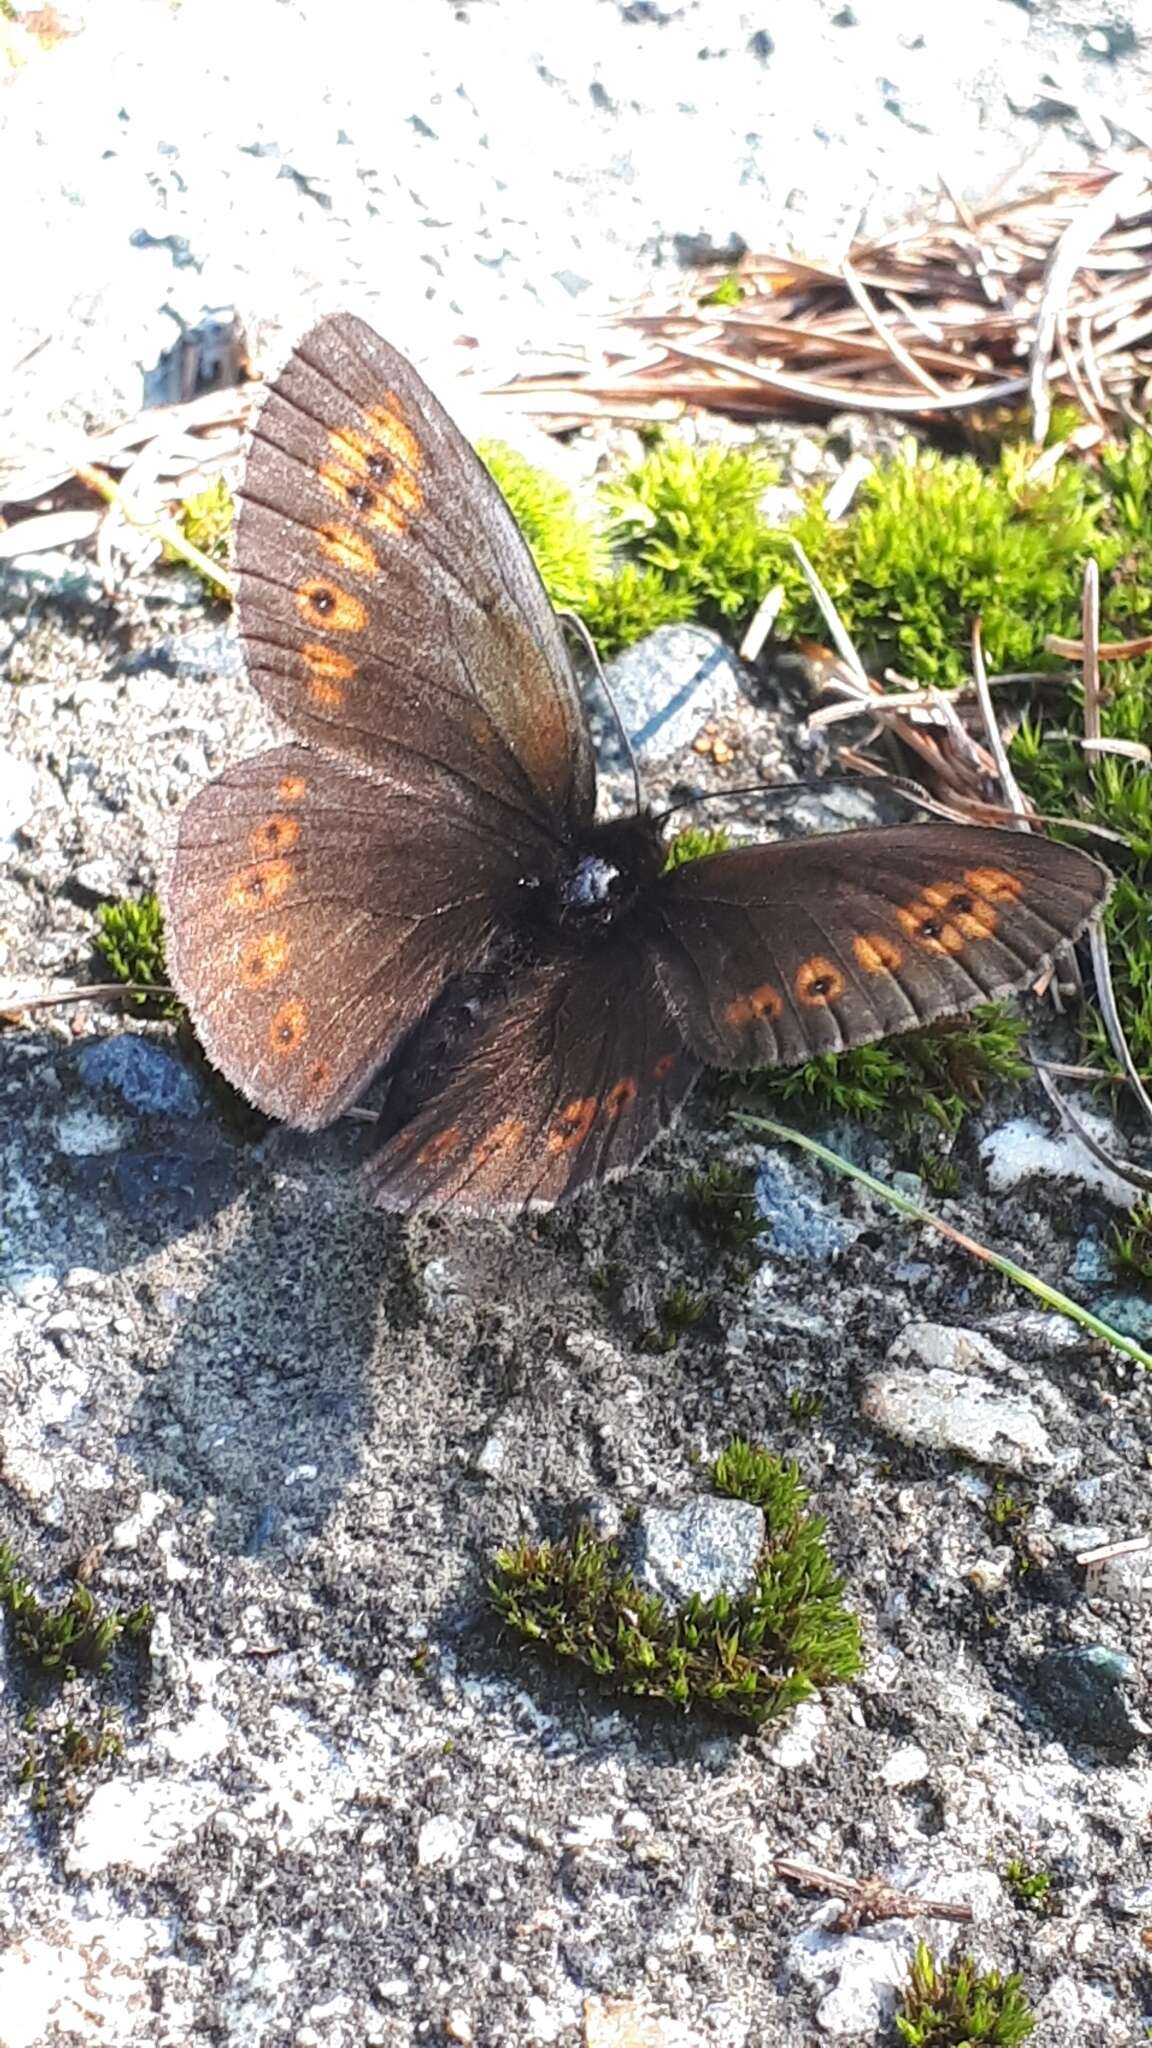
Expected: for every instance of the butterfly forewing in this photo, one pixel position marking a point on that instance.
(314, 915)
(388, 604)
(569, 1081)
(771, 954)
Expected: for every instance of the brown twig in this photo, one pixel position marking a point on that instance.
(868, 1899)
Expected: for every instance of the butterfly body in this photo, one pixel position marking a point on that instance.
(417, 888)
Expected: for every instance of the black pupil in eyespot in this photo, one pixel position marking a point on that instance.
(322, 600)
(931, 928)
(961, 905)
(821, 986)
(380, 467)
(361, 497)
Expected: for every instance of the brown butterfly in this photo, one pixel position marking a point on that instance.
(419, 887)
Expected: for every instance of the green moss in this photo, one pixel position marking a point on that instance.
(926, 1077)
(206, 520)
(1132, 1243)
(696, 842)
(53, 1759)
(1030, 1886)
(60, 1642)
(693, 515)
(805, 1405)
(570, 553)
(1006, 1511)
(728, 292)
(937, 541)
(130, 935)
(722, 1205)
(680, 1312)
(951, 2005)
(749, 1658)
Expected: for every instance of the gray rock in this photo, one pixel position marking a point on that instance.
(801, 1223)
(142, 1074)
(667, 688)
(930, 1397)
(1088, 1692)
(709, 1546)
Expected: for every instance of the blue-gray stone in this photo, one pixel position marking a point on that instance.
(1092, 1264)
(710, 1546)
(800, 1222)
(143, 1074)
(1129, 1314)
(666, 689)
(1087, 1691)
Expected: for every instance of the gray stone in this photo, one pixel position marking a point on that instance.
(143, 1074)
(927, 1397)
(667, 688)
(709, 1546)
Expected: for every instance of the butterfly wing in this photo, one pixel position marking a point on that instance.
(569, 1080)
(388, 605)
(314, 914)
(771, 954)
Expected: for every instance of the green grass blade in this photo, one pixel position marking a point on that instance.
(1050, 1296)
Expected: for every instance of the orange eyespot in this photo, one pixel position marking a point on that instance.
(874, 952)
(819, 981)
(995, 883)
(325, 604)
(291, 789)
(289, 1028)
(328, 672)
(275, 835)
(349, 549)
(501, 1138)
(573, 1124)
(620, 1097)
(375, 473)
(928, 927)
(764, 1001)
(438, 1146)
(255, 888)
(264, 960)
(663, 1066)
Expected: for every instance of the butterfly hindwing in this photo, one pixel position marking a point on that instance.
(388, 605)
(314, 915)
(569, 1080)
(772, 954)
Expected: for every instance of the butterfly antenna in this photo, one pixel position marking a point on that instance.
(893, 785)
(589, 646)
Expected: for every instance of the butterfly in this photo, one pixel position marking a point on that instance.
(417, 886)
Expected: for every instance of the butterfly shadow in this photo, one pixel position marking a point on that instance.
(259, 1409)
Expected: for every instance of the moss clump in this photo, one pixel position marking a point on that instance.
(206, 520)
(937, 541)
(728, 292)
(926, 1077)
(570, 553)
(696, 842)
(723, 1208)
(52, 1762)
(130, 935)
(678, 1313)
(693, 515)
(1029, 1886)
(951, 2005)
(60, 1642)
(1132, 1242)
(750, 1658)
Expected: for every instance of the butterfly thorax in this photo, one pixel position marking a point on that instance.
(611, 864)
